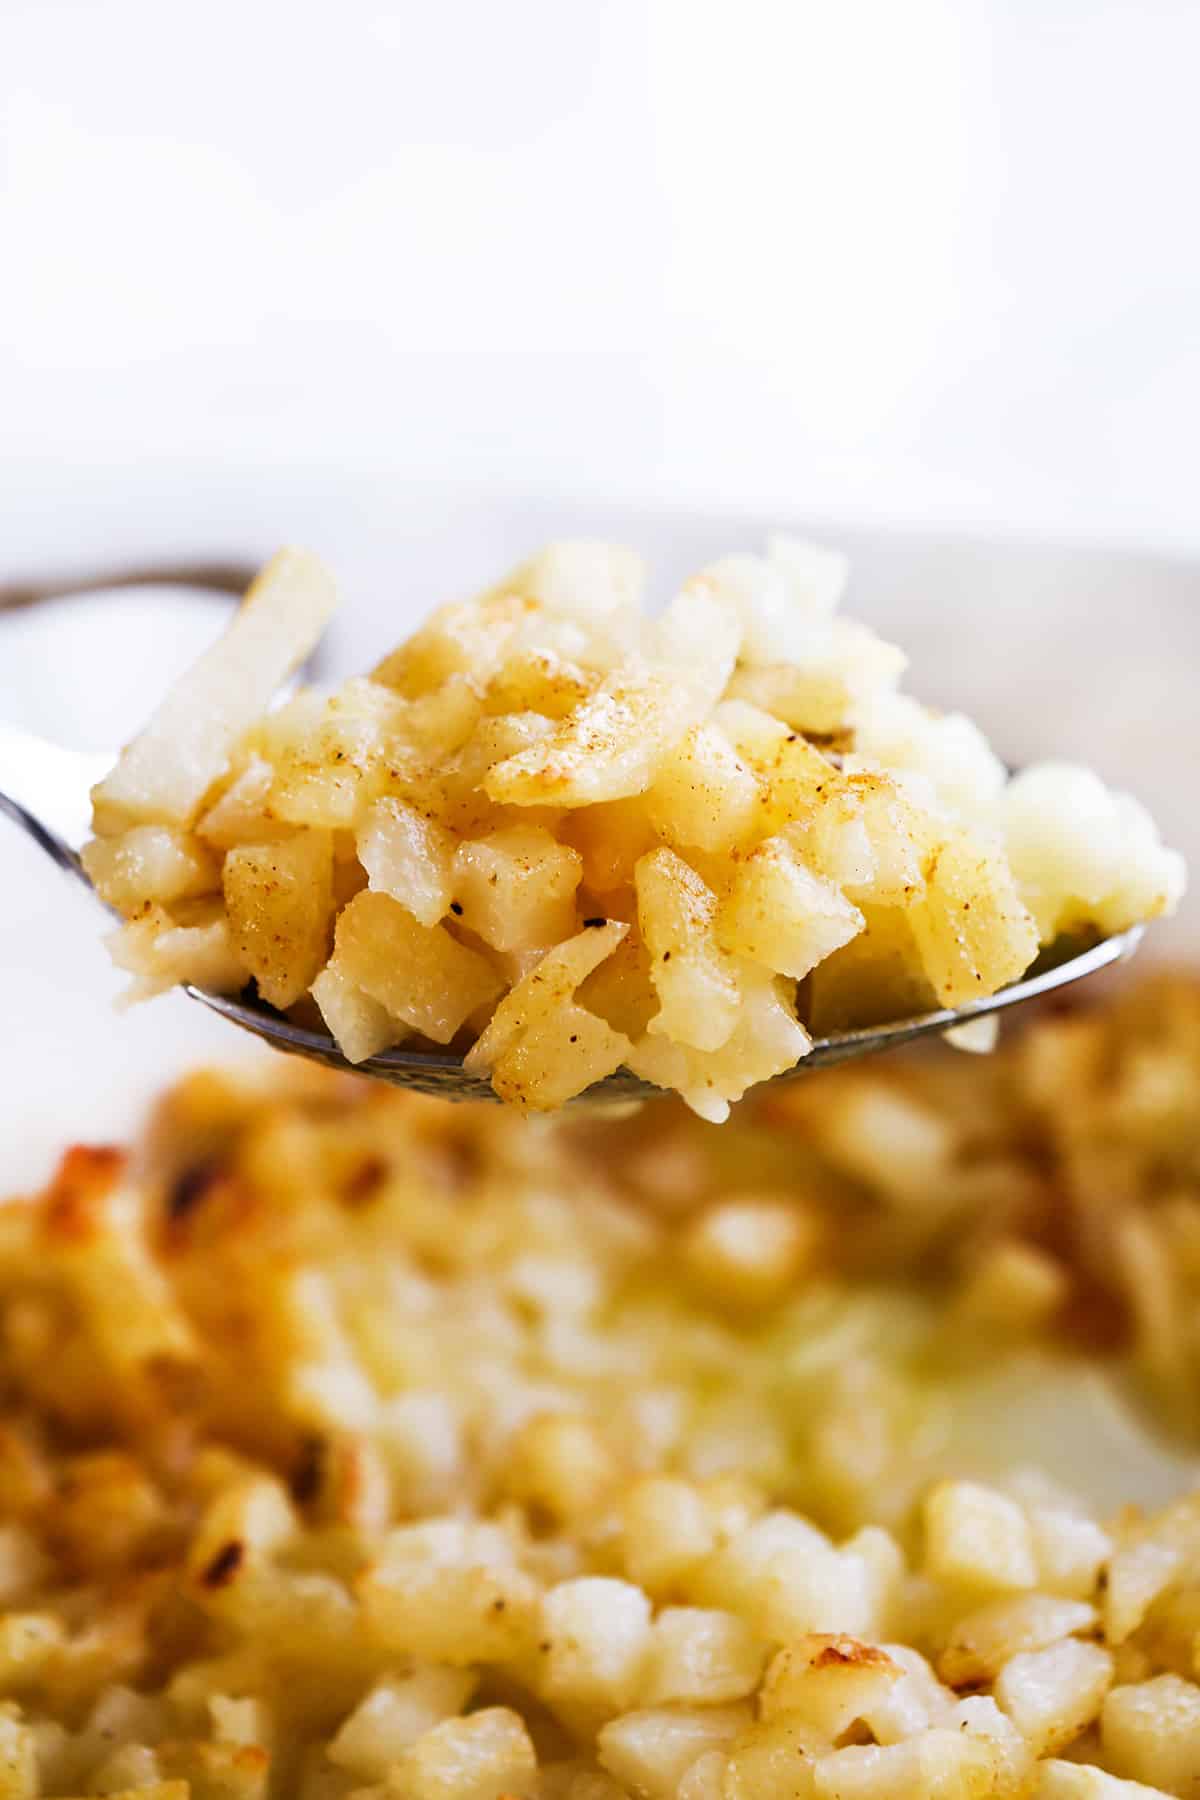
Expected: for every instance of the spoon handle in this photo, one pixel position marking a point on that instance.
(45, 790)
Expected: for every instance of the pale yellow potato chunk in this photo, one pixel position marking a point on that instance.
(150, 862)
(704, 795)
(360, 1024)
(778, 913)
(539, 681)
(279, 898)
(162, 954)
(696, 983)
(557, 1057)
(467, 637)
(971, 929)
(610, 837)
(516, 887)
(329, 754)
(409, 856)
(549, 985)
(611, 745)
(878, 975)
(242, 815)
(167, 769)
(766, 1040)
(419, 973)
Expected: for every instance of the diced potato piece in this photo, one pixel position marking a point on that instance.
(766, 1040)
(361, 1026)
(610, 837)
(394, 1714)
(596, 1638)
(150, 862)
(558, 1057)
(560, 1463)
(549, 986)
(770, 1759)
(701, 1656)
(242, 814)
(1072, 1781)
(486, 1756)
(467, 637)
(696, 984)
(584, 578)
(516, 887)
(167, 769)
(609, 747)
(667, 1530)
(329, 754)
(748, 1249)
(621, 991)
(409, 856)
(1150, 1731)
(280, 903)
(976, 1537)
(947, 749)
(449, 1592)
(891, 1140)
(827, 1681)
(651, 1751)
(983, 1641)
(878, 976)
(1080, 852)
(941, 1762)
(419, 974)
(539, 681)
(1053, 1695)
(779, 914)
(971, 929)
(162, 955)
(704, 796)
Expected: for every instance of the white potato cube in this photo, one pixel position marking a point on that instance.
(1053, 1695)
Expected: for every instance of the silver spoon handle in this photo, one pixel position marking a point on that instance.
(44, 789)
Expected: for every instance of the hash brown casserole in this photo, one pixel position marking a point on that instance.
(355, 1445)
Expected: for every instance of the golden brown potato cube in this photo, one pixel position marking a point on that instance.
(778, 913)
(280, 903)
(972, 931)
(408, 856)
(696, 984)
(516, 887)
(419, 973)
(150, 862)
(704, 796)
(327, 753)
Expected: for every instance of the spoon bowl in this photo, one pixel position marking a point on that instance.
(44, 789)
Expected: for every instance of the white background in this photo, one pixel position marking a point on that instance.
(918, 259)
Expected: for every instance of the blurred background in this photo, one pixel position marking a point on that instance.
(932, 261)
(421, 285)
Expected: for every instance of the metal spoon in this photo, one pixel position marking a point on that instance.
(45, 789)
